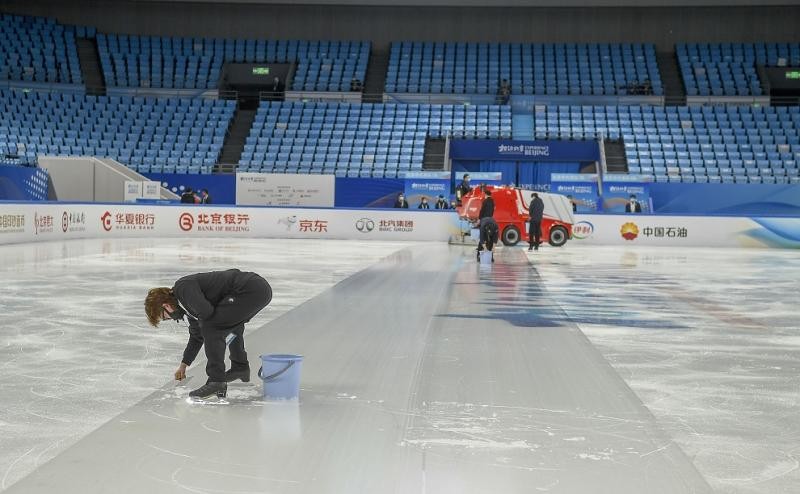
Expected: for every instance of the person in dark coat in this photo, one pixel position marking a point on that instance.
(463, 188)
(633, 206)
(216, 306)
(188, 196)
(487, 207)
(276, 89)
(424, 203)
(536, 212)
(488, 236)
(441, 203)
(485, 216)
(401, 202)
(205, 197)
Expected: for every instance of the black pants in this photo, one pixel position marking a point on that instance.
(535, 232)
(230, 316)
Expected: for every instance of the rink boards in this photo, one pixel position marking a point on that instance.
(34, 222)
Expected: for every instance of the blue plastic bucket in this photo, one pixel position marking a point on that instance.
(281, 376)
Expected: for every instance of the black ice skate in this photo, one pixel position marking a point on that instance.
(234, 374)
(210, 389)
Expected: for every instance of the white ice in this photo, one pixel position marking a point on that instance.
(709, 339)
(76, 348)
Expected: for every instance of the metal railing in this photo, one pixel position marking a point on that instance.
(524, 103)
(26, 86)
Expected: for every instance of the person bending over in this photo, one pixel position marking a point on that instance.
(216, 306)
(490, 232)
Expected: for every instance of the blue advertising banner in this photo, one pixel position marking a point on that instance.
(512, 150)
(354, 192)
(581, 187)
(23, 183)
(730, 199)
(618, 188)
(426, 184)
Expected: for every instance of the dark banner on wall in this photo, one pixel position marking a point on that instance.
(253, 76)
(539, 151)
(784, 78)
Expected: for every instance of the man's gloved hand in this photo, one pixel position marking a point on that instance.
(180, 374)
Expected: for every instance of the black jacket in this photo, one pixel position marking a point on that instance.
(187, 198)
(462, 189)
(199, 294)
(637, 208)
(424, 205)
(536, 209)
(441, 204)
(487, 208)
(399, 204)
(489, 232)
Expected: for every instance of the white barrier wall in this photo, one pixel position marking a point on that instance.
(285, 189)
(32, 222)
(85, 178)
(686, 231)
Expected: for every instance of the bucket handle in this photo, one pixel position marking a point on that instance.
(276, 374)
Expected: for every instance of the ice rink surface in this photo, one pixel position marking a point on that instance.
(424, 372)
(76, 349)
(709, 339)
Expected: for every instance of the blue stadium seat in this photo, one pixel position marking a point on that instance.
(196, 63)
(688, 151)
(560, 69)
(67, 124)
(729, 69)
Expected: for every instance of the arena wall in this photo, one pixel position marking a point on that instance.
(28, 222)
(662, 25)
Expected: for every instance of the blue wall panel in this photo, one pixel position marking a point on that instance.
(733, 199)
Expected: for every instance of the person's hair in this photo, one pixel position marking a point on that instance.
(488, 192)
(188, 190)
(466, 175)
(204, 190)
(537, 195)
(154, 303)
(633, 196)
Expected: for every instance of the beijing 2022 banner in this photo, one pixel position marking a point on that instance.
(582, 187)
(618, 188)
(426, 184)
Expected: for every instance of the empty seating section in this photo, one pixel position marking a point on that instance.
(359, 140)
(542, 69)
(147, 134)
(730, 144)
(729, 69)
(331, 65)
(196, 63)
(37, 49)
